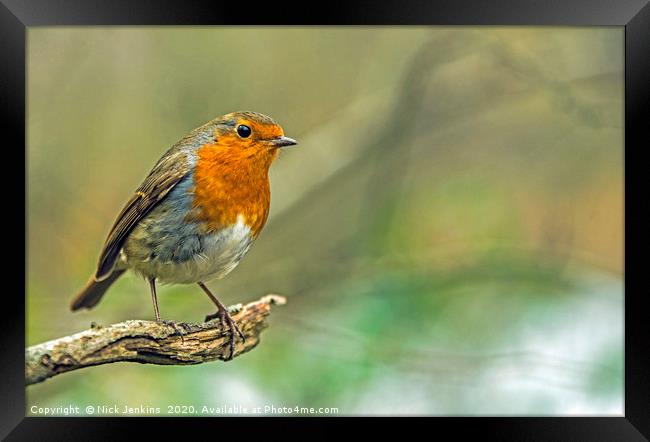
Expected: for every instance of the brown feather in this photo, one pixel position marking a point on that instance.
(169, 170)
(92, 293)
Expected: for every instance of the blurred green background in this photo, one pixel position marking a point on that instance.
(449, 233)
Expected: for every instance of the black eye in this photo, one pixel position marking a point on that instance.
(243, 131)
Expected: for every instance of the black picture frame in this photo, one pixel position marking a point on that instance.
(634, 15)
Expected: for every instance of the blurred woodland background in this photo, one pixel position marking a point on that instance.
(448, 233)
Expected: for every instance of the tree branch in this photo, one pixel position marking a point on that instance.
(149, 342)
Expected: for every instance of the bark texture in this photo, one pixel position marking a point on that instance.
(149, 342)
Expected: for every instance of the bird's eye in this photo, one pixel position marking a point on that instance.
(243, 131)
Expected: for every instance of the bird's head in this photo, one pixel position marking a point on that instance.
(251, 134)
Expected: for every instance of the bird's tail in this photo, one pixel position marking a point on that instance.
(92, 293)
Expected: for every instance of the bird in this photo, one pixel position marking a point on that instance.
(196, 214)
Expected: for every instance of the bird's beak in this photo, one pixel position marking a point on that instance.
(283, 142)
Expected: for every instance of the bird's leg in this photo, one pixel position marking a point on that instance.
(154, 298)
(224, 316)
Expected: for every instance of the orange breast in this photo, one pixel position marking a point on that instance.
(229, 183)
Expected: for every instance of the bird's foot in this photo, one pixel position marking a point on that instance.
(225, 318)
(181, 328)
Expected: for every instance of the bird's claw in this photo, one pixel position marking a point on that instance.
(181, 328)
(225, 318)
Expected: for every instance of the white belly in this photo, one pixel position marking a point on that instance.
(218, 255)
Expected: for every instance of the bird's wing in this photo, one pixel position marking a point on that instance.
(169, 170)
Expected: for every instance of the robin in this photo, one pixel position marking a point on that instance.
(197, 213)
